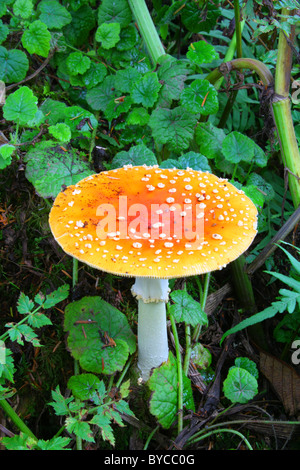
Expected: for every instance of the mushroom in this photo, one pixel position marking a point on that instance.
(153, 224)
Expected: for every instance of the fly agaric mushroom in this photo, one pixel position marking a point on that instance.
(153, 224)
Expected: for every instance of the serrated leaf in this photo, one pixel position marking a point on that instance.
(20, 106)
(247, 364)
(24, 305)
(124, 78)
(112, 11)
(262, 185)
(49, 168)
(101, 344)
(145, 90)
(99, 97)
(200, 97)
(23, 8)
(20, 332)
(56, 296)
(186, 309)
(237, 147)
(193, 160)
(103, 422)
(4, 32)
(138, 116)
(94, 75)
(60, 403)
(13, 65)
(53, 14)
(84, 386)
(239, 386)
(81, 429)
(6, 151)
(61, 132)
(56, 443)
(174, 127)
(83, 21)
(137, 155)
(36, 39)
(209, 138)
(172, 74)
(201, 53)
(7, 367)
(108, 34)
(164, 385)
(78, 63)
(128, 38)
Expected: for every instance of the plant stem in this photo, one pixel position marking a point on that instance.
(238, 30)
(218, 431)
(16, 419)
(282, 112)
(147, 29)
(179, 372)
(197, 330)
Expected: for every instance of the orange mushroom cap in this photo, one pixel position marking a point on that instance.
(151, 222)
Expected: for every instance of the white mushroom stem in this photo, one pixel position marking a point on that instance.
(152, 295)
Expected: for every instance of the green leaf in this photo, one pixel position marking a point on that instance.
(94, 75)
(6, 152)
(186, 309)
(53, 14)
(117, 107)
(23, 8)
(200, 356)
(103, 422)
(247, 364)
(145, 90)
(174, 127)
(18, 442)
(138, 116)
(78, 63)
(137, 155)
(54, 110)
(200, 97)
(61, 132)
(60, 403)
(108, 34)
(237, 147)
(193, 160)
(201, 53)
(256, 197)
(36, 39)
(126, 77)
(164, 385)
(7, 368)
(262, 185)
(240, 386)
(56, 296)
(13, 65)
(20, 332)
(83, 386)
(128, 38)
(4, 32)
(80, 428)
(99, 97)
(83, 21)
(101, 345)
(114, 11)
(209, 138)
(56, 443)
(172, 74)
(38, 319)
(49, 168)
(24, 305)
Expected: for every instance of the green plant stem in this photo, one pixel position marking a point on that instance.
(188, 349)
(93, 136)
(150, 437)
(147, 29)
(282, 113)
(179, 372)
(197, 330)
(238, 30)
(226, 430)
(16, 419)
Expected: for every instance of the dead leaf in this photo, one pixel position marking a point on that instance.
(284, 380)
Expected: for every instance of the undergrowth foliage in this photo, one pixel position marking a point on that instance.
(81, 93)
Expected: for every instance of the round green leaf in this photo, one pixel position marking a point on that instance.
(137, 155)
(83, 386)
(174, 127)
(49, 168)
(20, 106)
(13, 65)
(78, 63)
(200, 356)
(201, 53)
(36, 39)
(53, 14)
(240, 386)
(99, 97)
(23, 8)
(83, 21)
(237, 147)
(200, 97)
(108, 34)
(112, 11)
(164, 385)
(61, 132)
(145, 90)
(4, 31)
(104, 340)
(186, 309)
